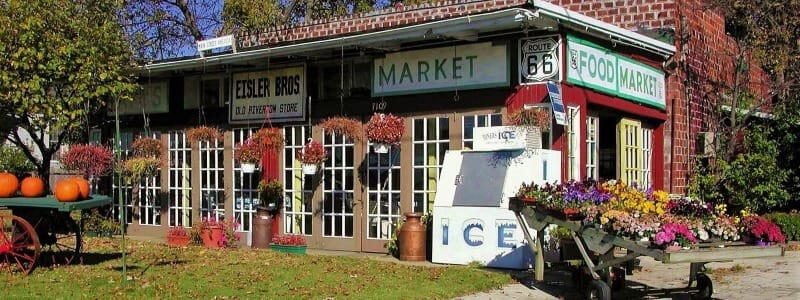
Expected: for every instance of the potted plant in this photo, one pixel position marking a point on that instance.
(137, 168)
(568, 250)
(216, 233)
(178, 237)
(312, 156)
(762, 231)
(203, 134)
(674, 236)
(89, 159)
(384, 131)
(270, 195)
(289, 243)
(347, 127)
(535, 121)
(248, 154)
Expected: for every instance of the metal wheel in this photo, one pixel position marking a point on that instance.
(598, 290)
(19, 245)
(704, 287)
(62, 239)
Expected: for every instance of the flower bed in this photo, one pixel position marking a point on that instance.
(647, 215)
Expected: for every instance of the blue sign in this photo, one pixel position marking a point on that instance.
(557, 103)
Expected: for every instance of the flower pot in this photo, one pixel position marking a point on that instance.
(309, 169)
(178, 241)
(212, 236)
(673, 247)
(380, 147)
(301, 250)
(248, 167)
(762, 243)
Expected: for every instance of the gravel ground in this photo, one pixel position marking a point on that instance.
(763, 278)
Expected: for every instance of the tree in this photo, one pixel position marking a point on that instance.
(749, 101)
(60, 61)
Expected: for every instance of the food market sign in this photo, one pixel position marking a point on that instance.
(473, 66)
(281, 91)
(601, 69)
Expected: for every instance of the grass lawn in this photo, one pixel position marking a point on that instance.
(161, 272)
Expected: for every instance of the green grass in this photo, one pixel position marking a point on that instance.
(160, 272)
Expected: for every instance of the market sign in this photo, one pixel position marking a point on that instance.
(540, 59)
(465, 67)
(151, 99)
(281, 91)
(499, 138)
(601, 69)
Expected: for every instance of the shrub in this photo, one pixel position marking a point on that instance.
(14, 161)
(789, 224)
(88, 159)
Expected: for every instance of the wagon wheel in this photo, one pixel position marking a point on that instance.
(19, 244)
(62, 239)
(599, 290)
(704, 287)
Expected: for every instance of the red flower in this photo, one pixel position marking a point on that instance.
(289, 240)
(89, 159)
(387, 129)
(312, 153)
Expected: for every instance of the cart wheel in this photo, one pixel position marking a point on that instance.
(704, 287)
(19, 244)
(598, 290)
(63, 241)
(617, 278)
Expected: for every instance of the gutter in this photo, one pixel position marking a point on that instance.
(612, 31)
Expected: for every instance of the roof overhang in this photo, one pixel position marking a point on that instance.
(544, 16)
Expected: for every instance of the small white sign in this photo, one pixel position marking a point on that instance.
(557, 103)
(540, 59)
(223, 41)
(499, 138)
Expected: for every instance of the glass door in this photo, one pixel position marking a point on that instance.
(338, 195)
(383, 198)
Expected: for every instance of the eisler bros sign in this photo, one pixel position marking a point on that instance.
(281, 91)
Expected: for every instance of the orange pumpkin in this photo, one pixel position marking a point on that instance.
(8, 185)
(83, 185)
(32, 187)
(67, 191)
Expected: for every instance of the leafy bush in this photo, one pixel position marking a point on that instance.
(14, 161)
(789, 224)
(89, 159)
(755, 179)
(147, 147)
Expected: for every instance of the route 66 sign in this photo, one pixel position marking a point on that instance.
(540, 59)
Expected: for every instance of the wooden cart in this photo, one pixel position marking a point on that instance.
(603, 267)
(42, 225)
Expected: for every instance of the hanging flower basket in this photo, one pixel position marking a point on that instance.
(385, 128)
(381, 148)
(248, 167)
(269, 138)
(203, 134)
(309, 169)
(347, 127)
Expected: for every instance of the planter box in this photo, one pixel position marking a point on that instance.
(301, 250)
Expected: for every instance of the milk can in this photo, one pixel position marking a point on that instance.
(411, 238)
(262, 228)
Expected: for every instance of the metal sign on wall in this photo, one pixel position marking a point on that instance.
(464, 67)
(601, 69)
(282, 91)
(540, 59)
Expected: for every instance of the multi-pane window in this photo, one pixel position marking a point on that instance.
(383, 193)
(469, 122)
(179, 160)
(431, 139)
(573, 140)
(337, 192)
(126, 139)
(629, 151)
(298, 188)
(647, 158)
(147, 192)
(212, 188)
(592, 130)
(245, 186)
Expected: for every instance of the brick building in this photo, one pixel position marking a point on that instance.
(632, 126)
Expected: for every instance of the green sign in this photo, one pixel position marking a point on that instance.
(601, 69)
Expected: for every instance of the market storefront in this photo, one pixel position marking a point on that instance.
(443, 86)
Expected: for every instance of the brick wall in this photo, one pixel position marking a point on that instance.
(373, 21)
